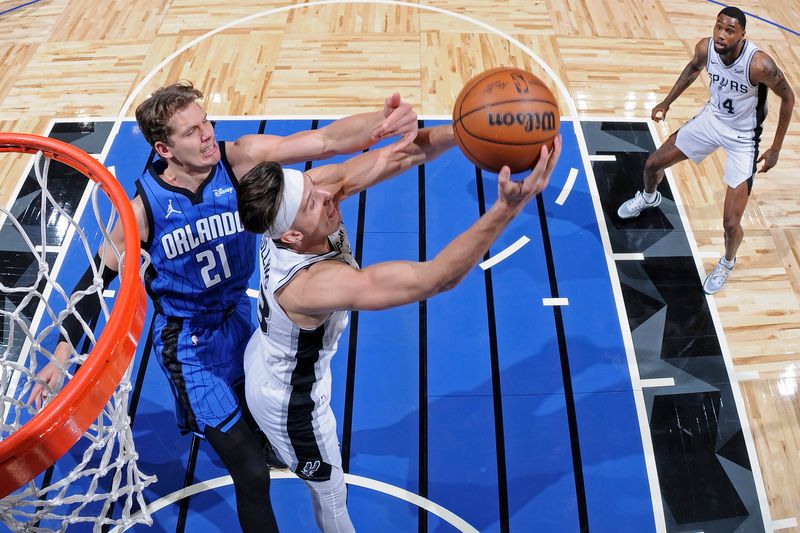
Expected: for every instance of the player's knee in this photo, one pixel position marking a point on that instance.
(654, 164)
(731, 224)
(252, 476)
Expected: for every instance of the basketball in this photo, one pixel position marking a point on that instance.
(503, 116)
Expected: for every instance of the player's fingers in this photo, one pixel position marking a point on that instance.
(539, 173)
(503, 178)
(35, 395)
(760, 159)
(407, 139)
(398, 121)
(392, 101)
(402, 117)
(555, 154)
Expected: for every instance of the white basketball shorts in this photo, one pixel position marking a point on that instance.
(705, 133)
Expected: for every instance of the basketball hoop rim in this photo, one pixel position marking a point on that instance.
(58, 426)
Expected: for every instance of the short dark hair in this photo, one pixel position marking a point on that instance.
(259, 194)
(734, 13)
(153, 114)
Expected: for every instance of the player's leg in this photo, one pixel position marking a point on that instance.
(740, 169)
(667, 155)
(735, 203)
(243, 456)
(202, 360)
(694, 140)
(329, 499)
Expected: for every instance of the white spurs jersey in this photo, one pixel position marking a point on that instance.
(298, 358)
(736, 102)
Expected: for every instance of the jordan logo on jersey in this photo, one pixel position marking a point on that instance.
(170, 209)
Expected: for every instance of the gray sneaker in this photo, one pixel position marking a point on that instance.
(717, 278)
(633, 207)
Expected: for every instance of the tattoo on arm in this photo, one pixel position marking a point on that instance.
(773, 77)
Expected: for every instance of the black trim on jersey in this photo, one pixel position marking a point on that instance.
(223, 157)
(149, 275)
(169, 356)
(336, 251)
(566, 373)
(761, 109)
(148, 209)
(497, 393)
(740, 56)
(299, 418)
(196, 197)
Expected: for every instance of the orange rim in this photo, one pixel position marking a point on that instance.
(57, 427)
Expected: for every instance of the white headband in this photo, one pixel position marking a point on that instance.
(293, 185)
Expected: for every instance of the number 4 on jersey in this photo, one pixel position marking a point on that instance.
(728, 104)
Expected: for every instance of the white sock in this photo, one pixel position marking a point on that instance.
(727, 264)
(649, 197)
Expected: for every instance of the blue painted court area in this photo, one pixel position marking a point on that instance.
(513, 415)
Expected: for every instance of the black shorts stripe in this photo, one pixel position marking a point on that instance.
(169, 356)
(299, 419)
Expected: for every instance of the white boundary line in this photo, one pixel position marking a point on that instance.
(378, 486)
(505, 254)
(656, 382)
(747, 376)
(628, 257)
(784, 523)
(627, 338)
(602, 157)
(568, 185)
(741, 408)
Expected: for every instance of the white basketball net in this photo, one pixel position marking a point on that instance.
(96, 482)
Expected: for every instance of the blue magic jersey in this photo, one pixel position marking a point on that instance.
(201, 256)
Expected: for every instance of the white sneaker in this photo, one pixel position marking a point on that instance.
(633, 207)
(716, 279)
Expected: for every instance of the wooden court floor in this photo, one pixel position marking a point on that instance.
(616, 58)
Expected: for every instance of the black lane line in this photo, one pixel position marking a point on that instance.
(422, 514)
(569, 396)
(497, 397)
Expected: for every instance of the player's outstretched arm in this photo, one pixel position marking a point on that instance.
(690, 73)
(330, 286)
(344, 136)
(764, 70)
(88, 307)
(365, 170)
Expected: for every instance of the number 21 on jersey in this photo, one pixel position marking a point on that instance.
(210, 260)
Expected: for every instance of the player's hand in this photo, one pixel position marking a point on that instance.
(399, 119)
(770, 159)
(659, 112)
(50, 374)
(517, 193)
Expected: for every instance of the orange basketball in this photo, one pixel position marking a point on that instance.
(503, 116)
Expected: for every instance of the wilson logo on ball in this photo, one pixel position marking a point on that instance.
(504, 116)
(529, 121)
